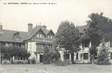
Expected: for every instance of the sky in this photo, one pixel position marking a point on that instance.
(16, 17)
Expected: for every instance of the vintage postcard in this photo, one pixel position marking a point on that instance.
(55, 36)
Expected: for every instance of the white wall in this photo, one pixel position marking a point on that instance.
(81, 59)
(32, 46)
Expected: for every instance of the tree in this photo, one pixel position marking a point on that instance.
(49, 57)
(99, 27)
(67, 37)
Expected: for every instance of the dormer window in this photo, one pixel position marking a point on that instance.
(40, 36)
(16, 35)
(50, 36)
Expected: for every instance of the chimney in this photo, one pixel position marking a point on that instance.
(1, 28)
(30, 26)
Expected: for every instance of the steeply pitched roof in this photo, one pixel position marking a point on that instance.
(8, 35)
(18, 36)
(36, 29)
(51, 32)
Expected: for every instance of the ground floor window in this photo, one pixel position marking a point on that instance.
(111, 55)
(41, 58)
(85, 56)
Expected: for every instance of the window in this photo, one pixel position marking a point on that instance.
(41, 58)
(40, 46)
(22, 45)
(50, 36)
(85, 56)
(2, 44)
(50, 46)
(40, 36)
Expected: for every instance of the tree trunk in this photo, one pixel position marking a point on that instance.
(93, 53)
(72, 58)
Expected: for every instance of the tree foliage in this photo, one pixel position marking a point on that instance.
(50, 57)
(99, 28)
(67, 36)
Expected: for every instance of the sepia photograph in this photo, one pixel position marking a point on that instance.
(55, 36)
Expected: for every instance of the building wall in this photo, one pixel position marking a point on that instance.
(82, 56)
(31, 47)
(41, 41)
(37, 43)
(13, 44)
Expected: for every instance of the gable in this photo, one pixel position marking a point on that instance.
(51, 33)
(39, 31)
(40, 34)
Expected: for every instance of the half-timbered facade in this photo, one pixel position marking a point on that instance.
(39, 39)
(35, 40)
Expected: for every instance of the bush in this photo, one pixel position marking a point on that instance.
(103, 57)
(46, 58)
(8, 52)
(49, 57)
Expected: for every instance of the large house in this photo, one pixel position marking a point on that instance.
(35, 40)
